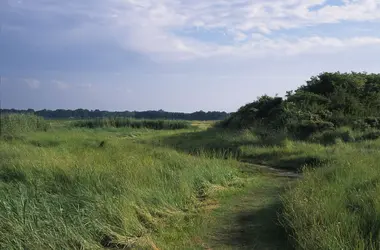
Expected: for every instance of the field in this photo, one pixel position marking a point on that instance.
(199, 187)
(81, 188)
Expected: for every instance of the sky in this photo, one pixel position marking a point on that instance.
(177, 55)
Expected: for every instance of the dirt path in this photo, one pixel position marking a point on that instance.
(250, 220)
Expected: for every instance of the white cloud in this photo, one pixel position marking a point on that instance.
(151, 26)
(60, 84)
(85, 85)
(33, 83)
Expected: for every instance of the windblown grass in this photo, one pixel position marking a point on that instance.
(114, 186)
(86, 189)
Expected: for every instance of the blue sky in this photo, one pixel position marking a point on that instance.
(177, 55)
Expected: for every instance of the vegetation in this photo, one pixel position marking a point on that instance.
(327, 101)
(334, 120)
(337, 206)
(13, 124)
(86, 114)
(119, 122)
(75, 189)
(106, 183)
(80, 188)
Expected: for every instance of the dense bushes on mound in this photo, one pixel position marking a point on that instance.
(326, 102)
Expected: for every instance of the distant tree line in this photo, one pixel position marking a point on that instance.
(85, 114)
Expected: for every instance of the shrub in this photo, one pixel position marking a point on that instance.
(328, 100)
(307, 128)
(372, 135)
(373, 122)
(333, 136)
(360, 125)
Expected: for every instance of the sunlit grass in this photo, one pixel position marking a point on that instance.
(92, 188)
(338, 206)
(81, 188)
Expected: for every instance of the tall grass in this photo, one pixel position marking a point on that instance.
(338, 206)
(335, 205)
(11, 124)
(88, 192)
(119, 122)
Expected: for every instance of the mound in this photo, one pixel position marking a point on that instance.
(327, 101)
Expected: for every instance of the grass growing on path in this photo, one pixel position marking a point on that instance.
(249, 219)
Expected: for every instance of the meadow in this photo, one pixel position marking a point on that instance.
(68, 187)
(64, 186)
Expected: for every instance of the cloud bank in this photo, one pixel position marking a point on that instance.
(237, 46)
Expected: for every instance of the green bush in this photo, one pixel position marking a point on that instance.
(373, 122)
(306, 128)
(371, 135)
(367, 123)
(333, 136)
(327, 101)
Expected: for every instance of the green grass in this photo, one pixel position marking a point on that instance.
(108, 187)
(335, 205)
(249, 219)
(247, 146)
(338, 206)
(13, 124)
(119, 122)
(96, 188)
(198, 188)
